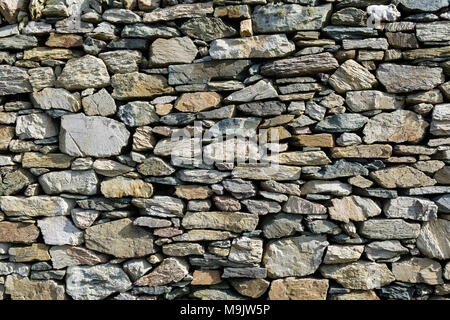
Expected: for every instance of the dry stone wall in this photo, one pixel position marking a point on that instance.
(116, 181)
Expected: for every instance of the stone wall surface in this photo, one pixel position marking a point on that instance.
(100, 197)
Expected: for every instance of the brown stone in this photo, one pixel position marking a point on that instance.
(197, 101)
(418, 270)
(224, 203)
(314, 140)
(401, 177)
(35, 252)
(25, 289)
(139, 85)
(253, 288)
(401, 40)
(206, 277)
(64, 40)
(6, 135)
(143, 139)
(169, 271)
(363, 151)
(167, 232)
(50, 160)
(119, 238)
(191, 192)
(358, 295)
(298, 289)
(18, 232)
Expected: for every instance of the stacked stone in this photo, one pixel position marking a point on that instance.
(93, 206)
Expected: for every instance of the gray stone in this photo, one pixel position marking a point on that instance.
(298, 205)
(300, 66)
(110, 168)
(342, 122)
(349, 17)
(261, 207)
(41, 78)
(353, 208)
(295, 256)
(434, 31)
(276, 173)
(340, 169)
(207, 28)
(36, 126)
(342, 254)
(52, 98)
(179, 11)
(84, 72)
(271, 18)
(77, 130)
(202, 176)
(83, 218)
(66, 256)
(270, 46)
(18, 42)
(418, 270)
(35, 206)
(336, 188)
(150, 222)
(360, 101)
(262, 108)
(216, 220)
(136, 268)
(387, 229)
(281, 225)
(239, 188)
(249, 273)
(344, 32)
(119, 238)
(398, 126)
(172, 51)
(121, 61)
(424, 5)
(78, 182)
(204, 72)
(216, 294)
(96, 282)
(7, 268)
(440, 126)
(160, 206)
(120, 16)
(434, 239)
(389, 250)
(411, 208)
(352, 76)
(137, 113)
(361, 275)
(148, 31)
(60, 231)
(171, 270)
(443, 203)
(246, 250)
(404, 78)
(259, 91)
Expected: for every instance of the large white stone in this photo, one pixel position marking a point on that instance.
(92, 136)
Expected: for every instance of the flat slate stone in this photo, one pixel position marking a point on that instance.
(300, 66)
(77, 132)
(405, 78)
(13, 80)
(120, 238)
(271, 46)
(273, 18)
